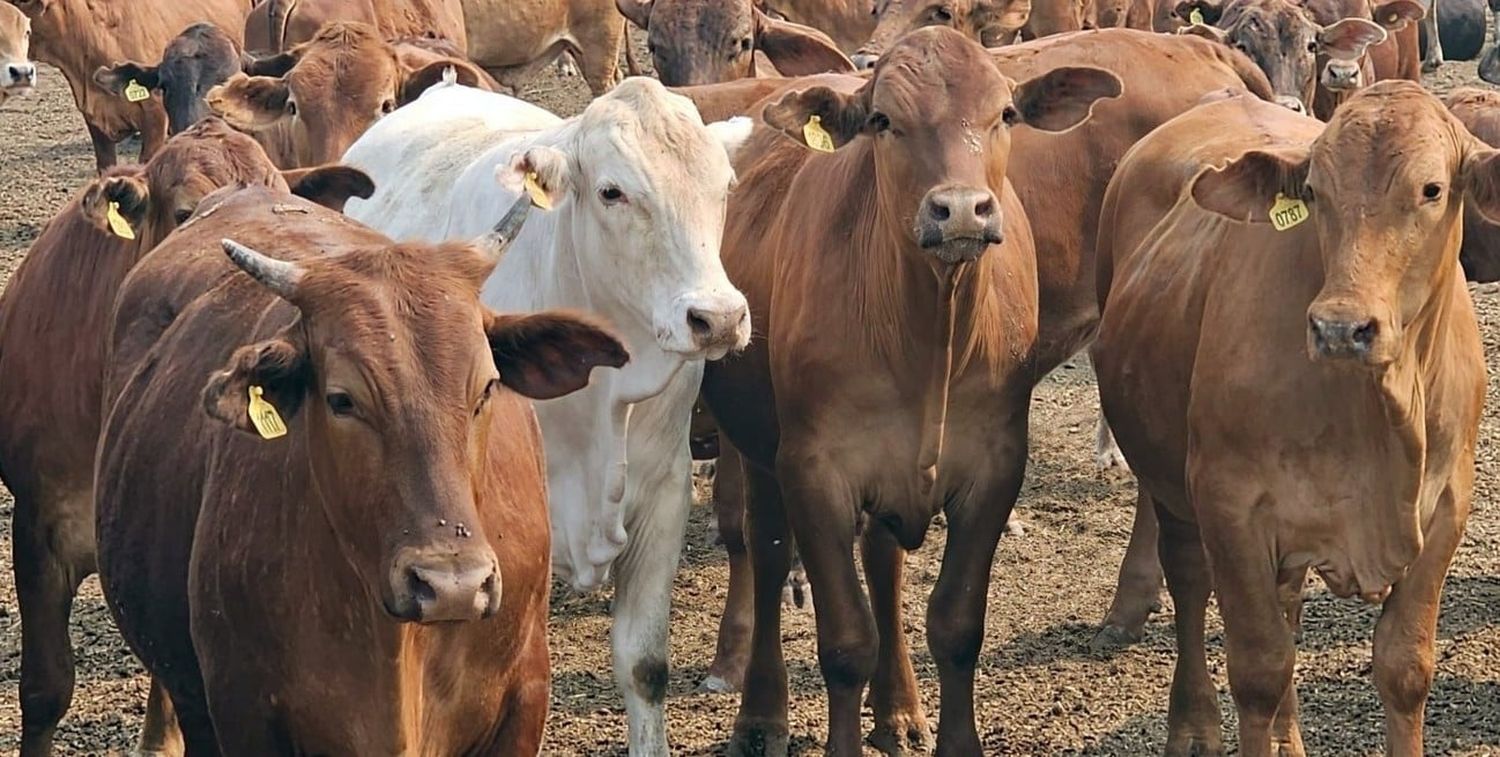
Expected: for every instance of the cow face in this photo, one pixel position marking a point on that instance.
(1284, 42)
(1050, 17)
(991, 22)
(325, 92)
(643, 184)
(17, 72)
(393, 375)
(1385, 185)
(710, 41)
(195, 61)
(939, 113)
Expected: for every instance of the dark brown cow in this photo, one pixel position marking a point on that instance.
(707, 41)
(1479, 111)
(1285, 43)
(991, 22)
(79, 36)
(307, 105)
(917, 311)
(278, 25)
(376, 580)
(61, 294)
(195, 61)
(17, 72)
(1299, 399)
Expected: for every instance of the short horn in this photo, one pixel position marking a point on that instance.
(279, 276)
(495, 242)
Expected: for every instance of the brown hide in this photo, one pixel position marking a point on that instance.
(277, 25)
(1479, 111)
(514, 38)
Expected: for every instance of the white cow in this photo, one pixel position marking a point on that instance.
(638, 185)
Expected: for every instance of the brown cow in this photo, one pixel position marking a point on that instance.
(707, 41)
(196, 60)
(514, 38)
(308, 104)
(1299, 399)
(274, 26)
(1479, 111)
(17, 72)
(902, 328)
(991, 22)
(61, 294)
(1340, 77)
(79, 36)
(1285, 43)
(377, 580)
(848, 22)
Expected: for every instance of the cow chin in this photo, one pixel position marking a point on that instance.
(957, 250)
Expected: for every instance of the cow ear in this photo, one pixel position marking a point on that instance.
(272, 65)
(553, 174)
(1246, 188)
(128, 193)
(1347, 39)
(797, 50)
(1481, 175)
(550, 354)
(843, 116)
(330, 186)
(1395, 15)
(420, 80)
(114, 79)
(1063, 97)
(638, 11)
(1210, 33)
(279, 366)
(251, 103)
(732, 133)
(1208, 10)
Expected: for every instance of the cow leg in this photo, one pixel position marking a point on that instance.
(1107, 454)
(900, 724)
(600, 59)
(1138, 589)
(1403, 654)
(159, 734)
(1193, 706)
(727, 672)
(104, 149)
(1434, 57)
(525, 720)
(643, 598)
(760, 727)
(53, 549)
(956, 608)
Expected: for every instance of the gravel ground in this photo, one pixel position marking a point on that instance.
(1040, 691)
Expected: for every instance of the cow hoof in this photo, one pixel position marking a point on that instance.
(1015, 527)
(905, 735)
(1429, 66)
(566, 66)
(1112, 637)
(759, 740)
(1111, 459)
(1195, 747)
(797, 592)
(715, 684)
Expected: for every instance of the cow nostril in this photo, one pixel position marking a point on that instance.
(421, 590)
(938, 210)
(1364, 334)
(984, 208)
(700, 325)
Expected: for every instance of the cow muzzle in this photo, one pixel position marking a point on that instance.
(19, 75)
(957, 224)
(707, 324)
(864, 61)
(1341, 332)
(432, 585)
(1342, 76)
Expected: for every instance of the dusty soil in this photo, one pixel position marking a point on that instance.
(1040, 691)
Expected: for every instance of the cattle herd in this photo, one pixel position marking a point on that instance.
(367, 350)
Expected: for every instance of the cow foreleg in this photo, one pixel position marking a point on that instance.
(760, 727)
(1138, 588)
(600, 54)
(727, 672)
(1433, 60)
(643, 595)
(1404, 635)
(105, 156)
(160, 736)
(1193, 725)
(900, 723)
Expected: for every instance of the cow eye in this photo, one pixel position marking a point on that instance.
(341, 404)
(1010, 115)
(387, 106)
(1432, 191)
(291, 107)
(879, 122)
(942, 15)
(484, 397)
(611, 195)
(182, 215)
(745, 45)
(1312, 46)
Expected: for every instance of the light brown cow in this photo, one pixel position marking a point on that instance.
(308, 104)
(848, 22)
(278, 25)
(1307, 398)
(372, 577)
(696, 42)
(918, 310)
(17, 72)
(991, 22)
(79, 36)
(61, 294)
(1339, 76)
(1479, 111)
(514, 38)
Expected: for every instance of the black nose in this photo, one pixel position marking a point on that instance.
(18, 73)
(1340, 338)
(863, 60)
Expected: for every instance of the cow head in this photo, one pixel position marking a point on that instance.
(991, 22)
(394, 374)
(711, 41)
(1050, 17)
(1385, 186)
(195, 61)
(1284, 42)
(939, 114)
(325, 91)
(641, 184)
(17, 72)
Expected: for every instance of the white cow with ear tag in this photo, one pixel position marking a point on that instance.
(636, 187)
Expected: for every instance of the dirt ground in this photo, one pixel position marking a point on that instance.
(1040, 691)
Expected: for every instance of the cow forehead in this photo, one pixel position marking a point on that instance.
(641, 129)
(935, 71)
(13, 25)
(685, 20)
(1387, 135)
(347, 71)
(1268, 16)
(208, 156)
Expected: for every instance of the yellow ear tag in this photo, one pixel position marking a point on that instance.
(117, 223)
(539, 196)
(1195, 17)
(1287, 212)
(263, 415)
(135, 93)
(816, 136)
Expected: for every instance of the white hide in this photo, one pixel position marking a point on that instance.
(619, 471)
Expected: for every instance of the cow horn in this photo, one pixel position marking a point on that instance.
(494, 243)
(279, 276)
